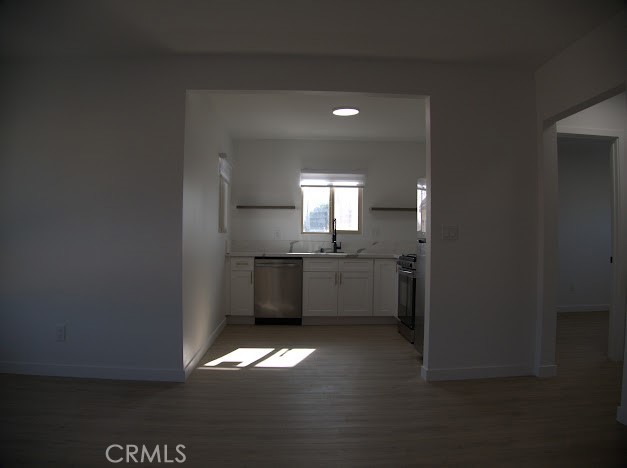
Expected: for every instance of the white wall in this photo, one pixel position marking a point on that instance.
(588, 72)
(90, 221)
(607, 115)
(482, 295)
(268, 172)
(584, 224)
(591, 67)
(102, 141)
(203, 245)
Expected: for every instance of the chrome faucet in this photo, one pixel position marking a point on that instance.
(336, 245)
(292, 246)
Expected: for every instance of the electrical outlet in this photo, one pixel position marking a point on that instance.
(60, 331)
(276, 234)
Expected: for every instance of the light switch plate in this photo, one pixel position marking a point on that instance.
(450, 232)
(60, 331)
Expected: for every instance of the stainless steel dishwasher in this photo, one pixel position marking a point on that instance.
(278, 290)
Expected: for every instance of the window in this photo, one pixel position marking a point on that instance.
(225, 177)
(421, 203)
(346, 204)
(331, 196)
(316, 209)
(224, 205)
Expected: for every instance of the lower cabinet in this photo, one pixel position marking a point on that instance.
(320, 293)
(385, 287)
(355, 293)
(331, 287)
(242, 287)
(337, 287)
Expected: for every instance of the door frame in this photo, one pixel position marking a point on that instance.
(546, 313)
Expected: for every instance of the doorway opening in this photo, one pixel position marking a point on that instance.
(584, 285)
(272, 142)
(603, 122)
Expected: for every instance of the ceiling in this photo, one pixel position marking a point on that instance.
(510, 33)
(294, 115)
(513, 33)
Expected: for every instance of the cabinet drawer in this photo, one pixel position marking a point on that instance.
(349, 264)
(320, 264)
(242, 263)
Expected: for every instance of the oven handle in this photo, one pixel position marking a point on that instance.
(404, 272)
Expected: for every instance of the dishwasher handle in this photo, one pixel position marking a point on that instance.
(277, 265)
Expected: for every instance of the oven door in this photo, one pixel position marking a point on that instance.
(407, 297)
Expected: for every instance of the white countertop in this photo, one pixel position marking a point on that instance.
(364, 255)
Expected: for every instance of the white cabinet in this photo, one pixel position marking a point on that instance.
(355, 293)
(385, 287)
(319, 293)
(354, 287)
(320, 285)
(320, 264)
(337, 287)
(242, 285)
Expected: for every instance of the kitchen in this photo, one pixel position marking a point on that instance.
(275, 143)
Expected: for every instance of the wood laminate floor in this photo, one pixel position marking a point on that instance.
(357, 400)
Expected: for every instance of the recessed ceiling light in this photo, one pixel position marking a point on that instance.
(345, 111)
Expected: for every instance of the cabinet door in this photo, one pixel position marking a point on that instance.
(355, 293)
(242, 292)
(320, 293)
(385, 287)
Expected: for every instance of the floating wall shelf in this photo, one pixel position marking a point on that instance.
(265, 207)
(391, 208)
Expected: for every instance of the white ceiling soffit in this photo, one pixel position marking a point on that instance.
(518, 33)
(308, 116)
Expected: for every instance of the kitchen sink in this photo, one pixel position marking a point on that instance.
(324, 254)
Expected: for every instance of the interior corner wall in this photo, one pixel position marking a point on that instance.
(203, 244)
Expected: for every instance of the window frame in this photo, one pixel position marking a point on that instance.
(332, 209)
(224, 193)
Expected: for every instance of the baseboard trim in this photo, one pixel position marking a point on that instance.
(621, 415)
(584, 308)
(322, 320)
(240, 320)
(193, 362)
(367, 320)
(546, 371)
(466, 373)
(92, 372)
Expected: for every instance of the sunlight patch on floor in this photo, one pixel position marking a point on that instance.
(245, 357)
